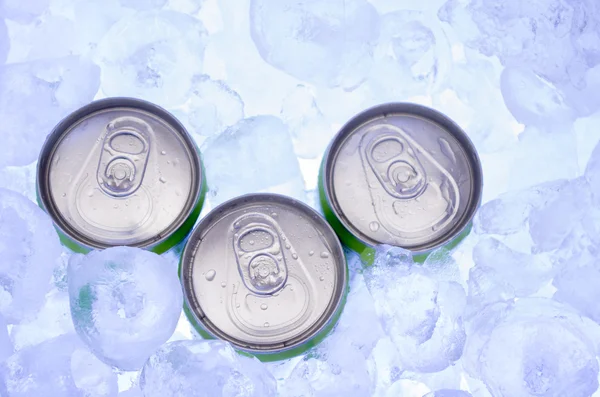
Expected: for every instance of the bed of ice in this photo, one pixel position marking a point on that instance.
(263, 85)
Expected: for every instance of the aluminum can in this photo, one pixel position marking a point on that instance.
(121, 172)
(266, 273)
(400, 174)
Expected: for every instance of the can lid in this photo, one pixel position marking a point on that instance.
(264, 272)
(404, 175)
(119, 171)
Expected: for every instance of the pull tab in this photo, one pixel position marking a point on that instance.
(394, 163)
(124, 158)
(260, 259)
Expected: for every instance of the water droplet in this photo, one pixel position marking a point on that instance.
(163, 180)
(264, 306)
(374, 226)
(210, 275)
(295, 255)
(283, 238)
(287, 246)
(311, 253)
(321, 278)
(237, 305)
(266, 325)
(273, 214)
(90, 193)
(251, 242)
(324, 254)
(223, 284)
(64, 194)
(163, 152)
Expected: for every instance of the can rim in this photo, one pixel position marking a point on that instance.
(435, 116)
(191, 302)
(59, 131)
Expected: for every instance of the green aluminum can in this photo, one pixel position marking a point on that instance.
(121, 171)
(400, 174)
(266, 273)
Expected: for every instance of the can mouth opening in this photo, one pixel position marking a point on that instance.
(62, 129)
(400, 108)
(190, 297)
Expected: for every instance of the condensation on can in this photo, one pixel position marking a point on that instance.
(400, 174)
(121, 171)
(266, 273)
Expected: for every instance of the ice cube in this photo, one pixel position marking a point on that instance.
(533, 100)
(255, 155)
(34, 96)
(93, 19)
(545, 156)
(60, 367)
(359, 326)
(469, 104)
(335, 370)
(448, 393)
(485, 288)
(20, 179)
(143, 4)
(51, 37)
(204, 368)
(133, 392)
(323, 43)
(213, 106)
(533, 347)
(125, 303)
(547, 48)
(30, 249)
(413, 53)
(509, 213)
(523, 272)
(186, 6)
(4, 41)
(422, 316)
(577, 284)
(23, 11)
(152, 55)
(592, 174)
(549, 226)
(52, 320)
(407, 388)
(6, 346)
(310, 129)
(451, 379)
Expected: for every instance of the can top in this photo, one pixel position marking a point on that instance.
(403, 174)
(264, 272)
(119, 171)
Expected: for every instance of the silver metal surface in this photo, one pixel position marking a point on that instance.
(119, 171)
(264, 272)
(404, 175)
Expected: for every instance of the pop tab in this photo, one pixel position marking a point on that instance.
(124, 156)
(264, 255)
(412, 194)
(260, 259)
